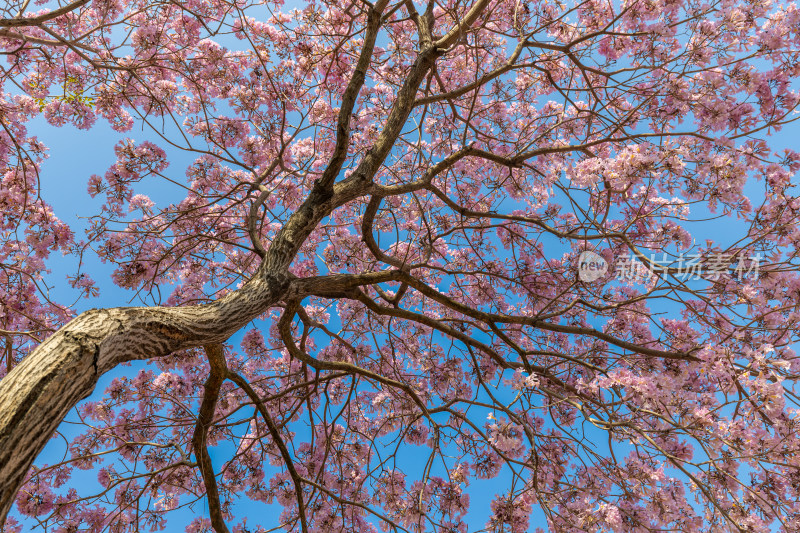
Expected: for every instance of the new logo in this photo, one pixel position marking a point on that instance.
(591, 266)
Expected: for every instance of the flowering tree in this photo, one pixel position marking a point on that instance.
(371, 292)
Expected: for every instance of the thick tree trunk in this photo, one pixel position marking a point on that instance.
(37, 394)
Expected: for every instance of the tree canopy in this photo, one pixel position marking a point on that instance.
(416, 246)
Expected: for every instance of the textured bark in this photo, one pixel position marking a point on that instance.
(216, 376)
(39, 392)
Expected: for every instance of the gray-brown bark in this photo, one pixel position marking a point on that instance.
(216, 376)
(37, 394)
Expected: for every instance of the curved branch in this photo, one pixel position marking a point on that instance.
(19, 22)
(535, 322)
(39, 392)
(350, 95)
(284, 328)
(276, 436)
(469, 19)
(216, 361)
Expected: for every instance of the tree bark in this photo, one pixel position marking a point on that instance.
(39, 392)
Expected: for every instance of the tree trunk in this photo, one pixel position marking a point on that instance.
(39, 392)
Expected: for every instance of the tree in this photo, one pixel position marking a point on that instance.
(464, 232)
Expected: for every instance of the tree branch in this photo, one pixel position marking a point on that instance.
(276, 437)
(216, 361)
(18, 22)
